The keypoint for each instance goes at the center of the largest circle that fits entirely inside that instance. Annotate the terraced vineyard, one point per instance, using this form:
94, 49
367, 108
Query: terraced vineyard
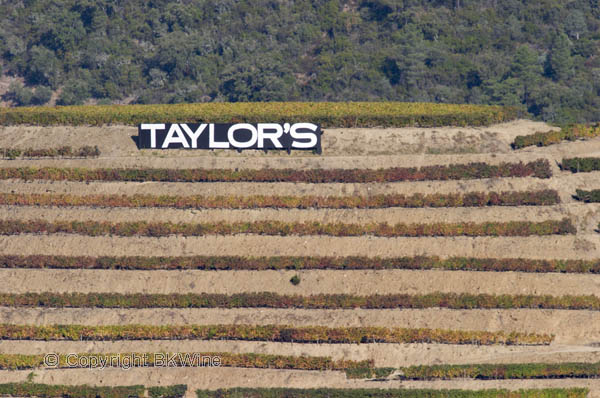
434, 262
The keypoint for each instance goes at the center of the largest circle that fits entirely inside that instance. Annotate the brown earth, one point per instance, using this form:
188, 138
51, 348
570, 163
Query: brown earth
358, 282
348, 216
342, 148
565, 183
544, 247
384, 355
116, 140
571, 327
577, 332
213, 378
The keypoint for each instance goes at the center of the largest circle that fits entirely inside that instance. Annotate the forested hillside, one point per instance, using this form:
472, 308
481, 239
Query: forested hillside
542, 55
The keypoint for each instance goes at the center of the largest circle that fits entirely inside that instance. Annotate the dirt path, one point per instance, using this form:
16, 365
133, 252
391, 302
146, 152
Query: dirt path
566, 183
570, 327
342, 148
117, 140
384, 355
279, 162
348, 216
312, 282
214, 378
545, 247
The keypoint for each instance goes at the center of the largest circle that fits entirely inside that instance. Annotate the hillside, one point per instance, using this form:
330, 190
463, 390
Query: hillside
402, 258
541, 56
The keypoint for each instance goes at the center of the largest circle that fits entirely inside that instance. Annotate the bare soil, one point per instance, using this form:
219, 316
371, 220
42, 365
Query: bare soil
584, 216
384, 355
214, 378
348, 216
569, 327
357, 282
565, 183
117, 141
577, 332
535, 247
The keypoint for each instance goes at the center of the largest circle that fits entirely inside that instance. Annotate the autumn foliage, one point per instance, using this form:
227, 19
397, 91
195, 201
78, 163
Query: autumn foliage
568, 133
503, 371
317, 301
471, 199
227, 359
539, 168
389, 393
580, 165
85, 391
63, 151
278, 228
299, 263
276, 333
328, 114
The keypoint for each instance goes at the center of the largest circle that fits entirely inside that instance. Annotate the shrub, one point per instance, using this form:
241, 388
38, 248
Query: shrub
328, 114
278, 228
389, 393
502, 371
64, 151
580, 165
539, 168
277, 333
181, 359
176, 391
316, 301
471, 199
295, 280
297, 263
64, 391
592, 196
569, 133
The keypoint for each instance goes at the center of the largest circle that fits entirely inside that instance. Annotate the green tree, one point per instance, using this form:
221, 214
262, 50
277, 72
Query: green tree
526, 68
575, 24
20, 95
75, 92
43, 67
560, 62
41, 95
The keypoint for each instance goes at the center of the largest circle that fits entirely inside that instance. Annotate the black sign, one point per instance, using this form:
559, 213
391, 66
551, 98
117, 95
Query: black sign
239, 136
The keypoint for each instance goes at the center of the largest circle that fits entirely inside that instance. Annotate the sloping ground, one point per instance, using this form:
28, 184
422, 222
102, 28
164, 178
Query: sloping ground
385, 355
569, 327
209, 378
577, 332
357, 282
116, 141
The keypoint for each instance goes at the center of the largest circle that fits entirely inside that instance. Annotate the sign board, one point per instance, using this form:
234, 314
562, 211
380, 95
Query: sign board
238, 136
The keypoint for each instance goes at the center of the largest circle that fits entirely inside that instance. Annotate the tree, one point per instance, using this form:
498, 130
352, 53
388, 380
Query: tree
575, 24
19, 94
42, 67
75, 92
560, 62
41, 95
526, 68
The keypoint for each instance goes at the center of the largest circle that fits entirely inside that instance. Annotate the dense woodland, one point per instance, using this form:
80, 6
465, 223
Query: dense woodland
540, 55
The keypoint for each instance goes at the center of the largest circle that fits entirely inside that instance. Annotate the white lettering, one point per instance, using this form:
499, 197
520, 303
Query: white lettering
311, 136
274, 137
153, 128
171, 139
242, 126
212, 144
194, 135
